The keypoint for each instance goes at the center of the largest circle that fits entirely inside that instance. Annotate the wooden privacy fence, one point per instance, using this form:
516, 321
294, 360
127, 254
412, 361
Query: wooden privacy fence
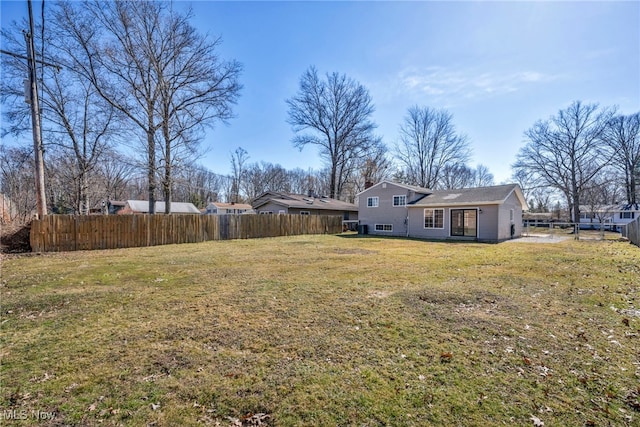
73, 233
632, 231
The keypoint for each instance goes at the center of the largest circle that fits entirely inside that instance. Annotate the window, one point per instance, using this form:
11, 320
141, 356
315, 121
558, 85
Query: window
372, 202
384, 227
434, 218
464, 222
304, 212
399, 200
511, 215
282, 212
626, 215
265, 212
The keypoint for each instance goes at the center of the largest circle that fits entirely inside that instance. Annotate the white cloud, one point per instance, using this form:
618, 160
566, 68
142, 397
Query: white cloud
451, 84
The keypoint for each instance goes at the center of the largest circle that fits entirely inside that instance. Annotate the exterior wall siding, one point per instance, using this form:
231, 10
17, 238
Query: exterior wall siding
416, 225
385, 213
504, 218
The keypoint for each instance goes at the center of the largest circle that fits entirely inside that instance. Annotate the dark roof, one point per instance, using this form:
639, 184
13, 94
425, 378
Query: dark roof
493, 195
299, 201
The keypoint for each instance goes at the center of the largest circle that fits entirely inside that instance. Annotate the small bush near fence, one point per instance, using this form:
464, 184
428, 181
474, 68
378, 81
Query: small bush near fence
69, 233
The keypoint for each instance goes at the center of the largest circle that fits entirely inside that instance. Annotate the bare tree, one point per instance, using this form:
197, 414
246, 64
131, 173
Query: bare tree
74, 119
456, 176
337, 111
146, 61
623, 137
429, 143
238, 173
482, 177
16, 182
566, 151
371, 168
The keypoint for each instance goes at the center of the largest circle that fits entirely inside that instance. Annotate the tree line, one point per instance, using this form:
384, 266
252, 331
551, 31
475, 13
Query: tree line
136, 87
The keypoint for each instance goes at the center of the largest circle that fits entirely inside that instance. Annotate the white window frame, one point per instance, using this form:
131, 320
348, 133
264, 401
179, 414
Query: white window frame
305, 213
266, 213
626, 215
385, 228
433, 218
373, 202
400, 197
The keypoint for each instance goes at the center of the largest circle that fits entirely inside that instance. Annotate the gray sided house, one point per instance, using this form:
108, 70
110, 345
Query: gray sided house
297, 204
382, 208
487, 214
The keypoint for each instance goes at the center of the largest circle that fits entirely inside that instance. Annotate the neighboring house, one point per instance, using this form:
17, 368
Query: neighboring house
611, 216
491, 214
537, 219
273, 202
142, 207
219, 208
115, 206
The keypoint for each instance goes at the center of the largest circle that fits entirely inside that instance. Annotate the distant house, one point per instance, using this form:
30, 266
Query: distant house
537, 219
610, 216
142, 207
297, 204
490, 214
219, 208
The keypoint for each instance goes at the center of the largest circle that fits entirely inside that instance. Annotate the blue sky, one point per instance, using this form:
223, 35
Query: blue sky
496, 66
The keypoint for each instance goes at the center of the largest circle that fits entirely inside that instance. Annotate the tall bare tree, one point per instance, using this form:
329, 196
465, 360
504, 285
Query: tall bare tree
429, 142
146, 61
239, 160
75, 121
623, 136
337, 112
566, 151
482, 177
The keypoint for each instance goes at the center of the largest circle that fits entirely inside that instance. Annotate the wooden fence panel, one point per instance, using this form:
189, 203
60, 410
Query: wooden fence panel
632, 231
69, 233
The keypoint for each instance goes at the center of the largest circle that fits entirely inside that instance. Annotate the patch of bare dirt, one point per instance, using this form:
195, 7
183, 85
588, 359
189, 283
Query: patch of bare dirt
14, 238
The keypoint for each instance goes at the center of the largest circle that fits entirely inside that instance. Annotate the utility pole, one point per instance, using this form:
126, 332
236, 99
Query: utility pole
41, 200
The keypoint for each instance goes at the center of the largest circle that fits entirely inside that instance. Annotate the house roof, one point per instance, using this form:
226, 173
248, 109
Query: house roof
299, 201
221, 205
494, 195
142, 206
625, 207
414, 188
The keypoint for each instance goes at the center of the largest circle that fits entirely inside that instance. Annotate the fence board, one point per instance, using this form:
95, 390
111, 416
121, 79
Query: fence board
632, 231
56, 233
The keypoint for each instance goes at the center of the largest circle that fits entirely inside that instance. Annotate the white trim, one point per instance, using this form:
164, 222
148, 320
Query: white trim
372, 199
383, 226
424, 217
393, 200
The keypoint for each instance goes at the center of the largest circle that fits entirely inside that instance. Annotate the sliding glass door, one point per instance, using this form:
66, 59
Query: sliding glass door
464, 222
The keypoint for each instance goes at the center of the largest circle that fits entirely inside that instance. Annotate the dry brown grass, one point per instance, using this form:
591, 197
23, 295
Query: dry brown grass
324, 330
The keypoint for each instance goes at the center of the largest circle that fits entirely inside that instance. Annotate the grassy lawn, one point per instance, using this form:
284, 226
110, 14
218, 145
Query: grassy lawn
324, 331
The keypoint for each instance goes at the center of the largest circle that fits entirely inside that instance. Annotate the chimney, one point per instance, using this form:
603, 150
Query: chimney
310, 193
368, 184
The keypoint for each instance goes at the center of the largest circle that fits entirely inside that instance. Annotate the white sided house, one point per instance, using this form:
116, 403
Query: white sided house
487, 214
610, 216
219, 208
